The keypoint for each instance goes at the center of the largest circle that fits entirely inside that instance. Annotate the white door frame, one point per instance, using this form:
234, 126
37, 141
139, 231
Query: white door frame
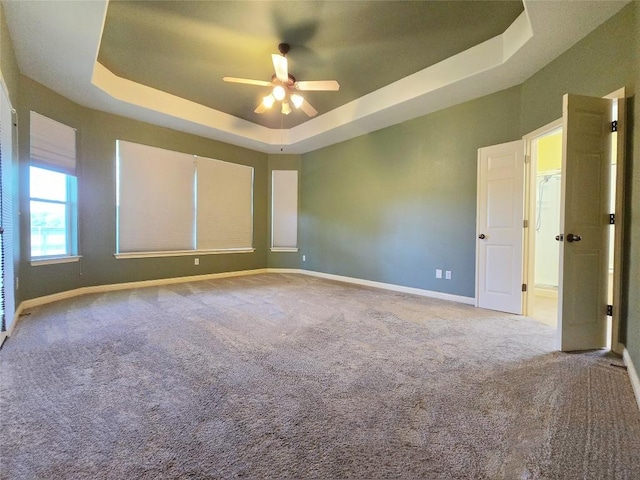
530, 211
618, 241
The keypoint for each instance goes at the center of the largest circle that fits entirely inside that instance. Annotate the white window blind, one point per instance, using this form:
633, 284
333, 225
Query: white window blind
155, 199
175, 203
225, 205
284, 209
53, 144
7, 298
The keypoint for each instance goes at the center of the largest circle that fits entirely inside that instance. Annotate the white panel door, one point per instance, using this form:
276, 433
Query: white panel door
499, 251
586, 162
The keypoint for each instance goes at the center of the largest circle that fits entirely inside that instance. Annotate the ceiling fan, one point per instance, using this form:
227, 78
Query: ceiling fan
285, 86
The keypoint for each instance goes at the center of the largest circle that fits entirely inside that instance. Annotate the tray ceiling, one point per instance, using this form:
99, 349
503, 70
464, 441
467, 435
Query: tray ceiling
185, 48
163, 62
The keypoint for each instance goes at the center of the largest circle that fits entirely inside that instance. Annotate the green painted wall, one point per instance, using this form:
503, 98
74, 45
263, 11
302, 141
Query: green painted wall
282, 162
97, 134
394, 205
597, 65
8, 63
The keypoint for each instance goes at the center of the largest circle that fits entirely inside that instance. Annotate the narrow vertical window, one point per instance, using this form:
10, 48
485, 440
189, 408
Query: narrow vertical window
284, 210
52, 189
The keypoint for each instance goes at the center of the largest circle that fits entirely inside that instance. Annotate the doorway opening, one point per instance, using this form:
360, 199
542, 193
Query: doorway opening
546, 154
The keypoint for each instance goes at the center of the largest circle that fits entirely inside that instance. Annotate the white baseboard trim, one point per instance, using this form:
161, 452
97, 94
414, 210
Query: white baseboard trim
633, 375
16, 317
545, 292
386, 286
38, 301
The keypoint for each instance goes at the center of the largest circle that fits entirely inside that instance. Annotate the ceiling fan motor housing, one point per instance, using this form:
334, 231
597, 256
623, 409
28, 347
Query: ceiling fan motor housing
284, 48
289, 83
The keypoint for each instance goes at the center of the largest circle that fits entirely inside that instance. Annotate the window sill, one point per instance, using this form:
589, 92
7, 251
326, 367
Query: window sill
181, 253
284, 249
36, 262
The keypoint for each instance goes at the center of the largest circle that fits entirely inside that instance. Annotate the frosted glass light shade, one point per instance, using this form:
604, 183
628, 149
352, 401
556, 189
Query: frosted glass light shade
297, 100
268, 101
278, 92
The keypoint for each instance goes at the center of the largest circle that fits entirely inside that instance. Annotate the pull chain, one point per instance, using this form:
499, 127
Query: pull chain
281, 129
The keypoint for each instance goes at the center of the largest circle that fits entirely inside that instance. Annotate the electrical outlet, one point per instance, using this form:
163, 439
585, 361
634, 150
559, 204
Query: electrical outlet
448, 274
304, 258
438, 273
196, 261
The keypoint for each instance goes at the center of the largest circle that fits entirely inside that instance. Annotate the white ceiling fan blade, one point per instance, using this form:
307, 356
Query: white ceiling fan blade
308, 109
318, 85
247, 81
280, 67
261, 108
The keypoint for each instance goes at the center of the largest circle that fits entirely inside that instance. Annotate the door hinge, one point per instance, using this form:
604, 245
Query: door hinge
524, 287
612, 219
525, 223
527, 159
614, 126
609, 310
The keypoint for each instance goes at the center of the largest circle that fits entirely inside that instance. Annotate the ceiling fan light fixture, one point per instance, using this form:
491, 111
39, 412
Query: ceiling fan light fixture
297, 100
284, 86
268, 101
278, 92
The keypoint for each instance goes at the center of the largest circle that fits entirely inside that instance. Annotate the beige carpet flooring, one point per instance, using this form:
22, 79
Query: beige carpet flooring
290, 376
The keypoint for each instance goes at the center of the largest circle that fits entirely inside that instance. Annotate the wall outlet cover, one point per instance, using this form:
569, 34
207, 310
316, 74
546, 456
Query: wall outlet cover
438, 273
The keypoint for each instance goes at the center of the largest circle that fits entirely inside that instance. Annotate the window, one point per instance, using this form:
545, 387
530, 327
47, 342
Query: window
225, 205
52, 189
284, 210
171, 203
155, 199
53, 206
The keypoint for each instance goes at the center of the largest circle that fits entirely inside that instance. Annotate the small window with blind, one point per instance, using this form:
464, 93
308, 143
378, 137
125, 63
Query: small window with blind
52, 189
284, 211
171, 203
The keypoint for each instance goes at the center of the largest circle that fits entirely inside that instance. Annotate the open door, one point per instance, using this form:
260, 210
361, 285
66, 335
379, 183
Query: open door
586, 163
500, 217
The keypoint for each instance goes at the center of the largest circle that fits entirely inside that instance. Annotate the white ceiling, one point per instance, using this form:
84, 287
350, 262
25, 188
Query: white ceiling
63, 56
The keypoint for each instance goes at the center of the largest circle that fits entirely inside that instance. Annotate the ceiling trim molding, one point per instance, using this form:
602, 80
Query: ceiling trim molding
63, 57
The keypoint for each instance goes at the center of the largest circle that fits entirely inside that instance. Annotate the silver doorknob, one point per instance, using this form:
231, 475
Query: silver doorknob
481, 236
573, 238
